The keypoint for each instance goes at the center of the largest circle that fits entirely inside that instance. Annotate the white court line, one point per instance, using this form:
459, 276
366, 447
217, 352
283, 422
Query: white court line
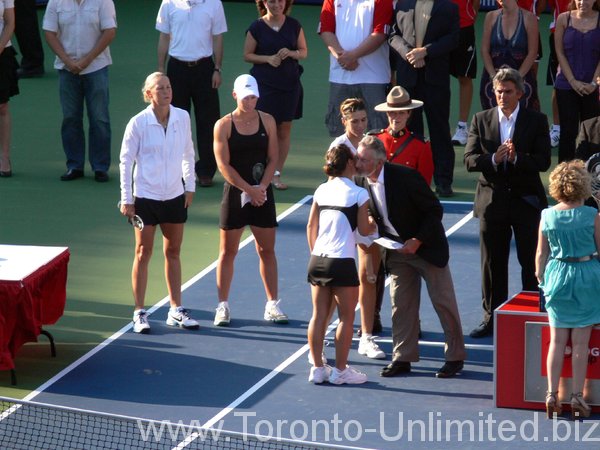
158, 305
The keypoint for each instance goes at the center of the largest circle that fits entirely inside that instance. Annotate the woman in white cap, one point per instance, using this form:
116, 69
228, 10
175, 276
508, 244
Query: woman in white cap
245, 145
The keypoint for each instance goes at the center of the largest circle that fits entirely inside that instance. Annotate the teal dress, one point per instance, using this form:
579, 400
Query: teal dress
572, 289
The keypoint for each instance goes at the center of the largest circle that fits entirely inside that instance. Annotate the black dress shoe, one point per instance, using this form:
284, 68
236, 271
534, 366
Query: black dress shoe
484, 329
444, 191
395, 368
32, 72
100, 176
71, 174
449, 369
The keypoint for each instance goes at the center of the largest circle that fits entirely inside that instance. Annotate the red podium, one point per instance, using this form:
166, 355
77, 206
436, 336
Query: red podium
521, 341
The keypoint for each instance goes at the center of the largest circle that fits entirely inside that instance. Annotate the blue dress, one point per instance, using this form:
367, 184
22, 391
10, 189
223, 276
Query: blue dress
572, 289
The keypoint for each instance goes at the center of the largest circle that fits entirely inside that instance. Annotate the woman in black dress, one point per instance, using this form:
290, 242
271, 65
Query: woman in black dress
245, 147
274, 44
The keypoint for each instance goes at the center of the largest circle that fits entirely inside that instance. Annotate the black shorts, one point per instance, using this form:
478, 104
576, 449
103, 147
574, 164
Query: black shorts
154, 212
552, 62
235, 216
9, 85
324, 271
463, 59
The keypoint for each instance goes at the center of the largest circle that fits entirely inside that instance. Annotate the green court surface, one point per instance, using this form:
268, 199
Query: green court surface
38, 209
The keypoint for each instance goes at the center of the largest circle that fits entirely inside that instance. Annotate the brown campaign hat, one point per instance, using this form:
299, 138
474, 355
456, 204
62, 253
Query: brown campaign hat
398, 100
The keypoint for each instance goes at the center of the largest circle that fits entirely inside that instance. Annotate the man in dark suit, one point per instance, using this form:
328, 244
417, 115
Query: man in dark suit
406, 211
588, 139
424, 34
509, 146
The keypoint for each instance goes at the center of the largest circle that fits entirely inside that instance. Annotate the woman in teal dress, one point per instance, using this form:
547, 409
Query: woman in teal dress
568, 271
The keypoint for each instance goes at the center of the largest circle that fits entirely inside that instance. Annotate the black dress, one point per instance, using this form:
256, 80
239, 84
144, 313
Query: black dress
280, 89
245, 153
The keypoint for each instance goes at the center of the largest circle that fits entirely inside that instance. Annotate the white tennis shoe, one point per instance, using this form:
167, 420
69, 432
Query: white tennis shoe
368, 347
180, 317
319, 375
347, 376
140, 321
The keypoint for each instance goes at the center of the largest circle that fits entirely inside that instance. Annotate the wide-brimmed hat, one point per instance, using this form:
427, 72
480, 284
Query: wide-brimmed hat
398, 100
244, 86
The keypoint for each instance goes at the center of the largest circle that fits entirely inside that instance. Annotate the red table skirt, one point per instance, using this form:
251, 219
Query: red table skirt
27, 305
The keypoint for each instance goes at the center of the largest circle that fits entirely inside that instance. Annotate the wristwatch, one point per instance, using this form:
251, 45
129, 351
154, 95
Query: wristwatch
217, 69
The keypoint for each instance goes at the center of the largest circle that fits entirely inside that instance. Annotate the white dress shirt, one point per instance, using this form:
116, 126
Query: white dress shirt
378, 191
507, 129
79, 27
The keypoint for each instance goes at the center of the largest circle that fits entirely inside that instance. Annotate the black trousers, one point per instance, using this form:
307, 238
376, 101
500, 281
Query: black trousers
28, 35
436, 101
573, 109
192, 85
495, 237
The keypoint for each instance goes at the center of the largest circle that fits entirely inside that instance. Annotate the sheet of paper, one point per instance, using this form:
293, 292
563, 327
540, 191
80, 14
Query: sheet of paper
389, 243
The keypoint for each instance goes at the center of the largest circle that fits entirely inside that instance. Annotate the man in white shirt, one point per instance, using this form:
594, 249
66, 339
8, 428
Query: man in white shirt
359, 56
191, 34
79, 32
509, 146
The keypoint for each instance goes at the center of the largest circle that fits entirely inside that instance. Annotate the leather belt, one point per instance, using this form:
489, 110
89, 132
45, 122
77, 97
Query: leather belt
192, 63
574, 259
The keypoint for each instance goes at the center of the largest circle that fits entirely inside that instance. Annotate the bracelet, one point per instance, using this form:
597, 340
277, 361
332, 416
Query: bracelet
217, 69
593, 83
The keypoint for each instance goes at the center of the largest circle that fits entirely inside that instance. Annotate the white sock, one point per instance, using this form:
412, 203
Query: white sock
366, 336
224, 304
462, 124
556, 127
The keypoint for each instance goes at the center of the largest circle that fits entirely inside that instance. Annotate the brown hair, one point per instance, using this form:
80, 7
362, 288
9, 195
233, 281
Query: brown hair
570, 182
351, 105
262, 9
336, 160
573, 6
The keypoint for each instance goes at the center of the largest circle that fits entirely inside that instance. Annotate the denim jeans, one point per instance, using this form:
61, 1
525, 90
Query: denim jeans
93, 89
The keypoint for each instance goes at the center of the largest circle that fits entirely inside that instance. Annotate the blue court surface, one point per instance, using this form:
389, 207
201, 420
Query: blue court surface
251, 377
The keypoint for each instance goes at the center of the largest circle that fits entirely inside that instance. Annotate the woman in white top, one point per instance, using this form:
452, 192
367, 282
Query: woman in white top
354, 119
339, 207
157, 153
8, 82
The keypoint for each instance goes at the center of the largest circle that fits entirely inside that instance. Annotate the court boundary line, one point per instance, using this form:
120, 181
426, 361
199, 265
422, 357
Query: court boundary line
34, 393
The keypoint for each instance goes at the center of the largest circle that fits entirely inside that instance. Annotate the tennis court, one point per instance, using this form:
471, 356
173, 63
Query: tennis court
251, 378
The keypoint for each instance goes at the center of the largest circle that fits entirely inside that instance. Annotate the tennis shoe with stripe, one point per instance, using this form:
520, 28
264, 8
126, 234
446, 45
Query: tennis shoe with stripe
274, 313
181, 318
460, 136
221, 316
554, 137
368, 347
347, 376
319, 375
140, 322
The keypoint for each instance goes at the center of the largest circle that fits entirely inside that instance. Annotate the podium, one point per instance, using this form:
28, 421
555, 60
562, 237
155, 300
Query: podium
521, 342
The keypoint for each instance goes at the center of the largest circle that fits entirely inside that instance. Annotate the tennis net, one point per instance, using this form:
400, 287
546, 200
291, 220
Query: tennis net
26, 425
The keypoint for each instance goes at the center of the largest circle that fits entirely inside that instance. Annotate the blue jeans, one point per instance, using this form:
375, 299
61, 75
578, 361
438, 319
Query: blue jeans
73, 90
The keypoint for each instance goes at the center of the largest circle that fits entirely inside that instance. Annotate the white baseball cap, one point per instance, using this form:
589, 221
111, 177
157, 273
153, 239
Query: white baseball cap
244, 86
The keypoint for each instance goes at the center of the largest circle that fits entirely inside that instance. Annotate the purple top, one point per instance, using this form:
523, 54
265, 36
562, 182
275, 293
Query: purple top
582, 50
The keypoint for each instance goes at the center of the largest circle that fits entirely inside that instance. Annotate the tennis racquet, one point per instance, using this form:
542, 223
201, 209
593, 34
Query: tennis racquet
258, 171
136, 220
593, 167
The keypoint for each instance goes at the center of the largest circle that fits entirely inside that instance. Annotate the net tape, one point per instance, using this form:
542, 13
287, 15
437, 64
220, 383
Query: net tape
26, 425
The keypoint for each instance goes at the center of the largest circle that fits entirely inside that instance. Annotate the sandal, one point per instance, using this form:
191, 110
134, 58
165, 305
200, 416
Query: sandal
553, 407
276, 182
579, 408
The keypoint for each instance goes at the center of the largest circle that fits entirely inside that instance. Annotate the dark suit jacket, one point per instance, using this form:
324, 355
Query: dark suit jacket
516, 189
413, 210
589, 138
440, 39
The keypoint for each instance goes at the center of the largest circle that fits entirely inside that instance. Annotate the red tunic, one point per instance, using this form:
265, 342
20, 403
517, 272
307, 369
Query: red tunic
416, 155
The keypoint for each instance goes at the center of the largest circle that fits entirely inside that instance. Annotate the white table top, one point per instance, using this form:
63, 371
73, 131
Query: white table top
19, 261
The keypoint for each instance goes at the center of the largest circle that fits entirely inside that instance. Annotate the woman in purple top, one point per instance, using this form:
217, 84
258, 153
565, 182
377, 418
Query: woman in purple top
577, 39
274, 44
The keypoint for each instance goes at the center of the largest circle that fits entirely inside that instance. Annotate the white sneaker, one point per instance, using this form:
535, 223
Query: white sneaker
319, 375
181, 318
347, 376
554, 137
221, 316
274, 313
460, 136
140, 321
368, 347
312, 362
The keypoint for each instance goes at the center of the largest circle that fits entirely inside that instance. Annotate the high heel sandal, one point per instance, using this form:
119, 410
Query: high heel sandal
277, 183
552, 405
6, 173
579, 408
